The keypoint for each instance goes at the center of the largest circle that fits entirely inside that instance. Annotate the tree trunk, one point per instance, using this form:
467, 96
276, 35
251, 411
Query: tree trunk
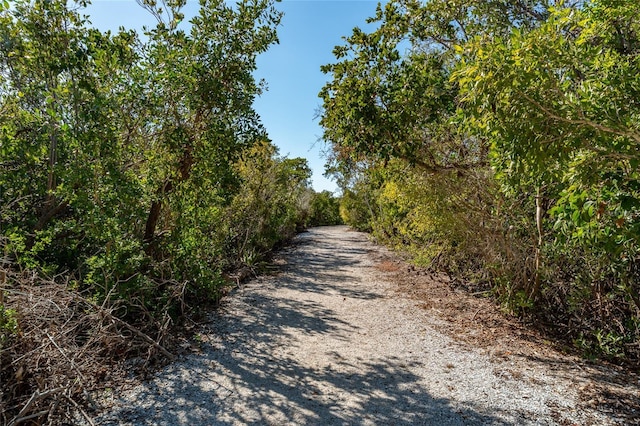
156, 206
539, 215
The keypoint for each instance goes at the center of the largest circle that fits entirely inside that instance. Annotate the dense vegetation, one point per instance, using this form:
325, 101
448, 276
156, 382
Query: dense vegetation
128, 162
134, 176
500, 141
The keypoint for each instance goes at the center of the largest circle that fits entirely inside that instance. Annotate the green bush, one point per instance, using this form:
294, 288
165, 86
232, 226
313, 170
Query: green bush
8, 324
324, 210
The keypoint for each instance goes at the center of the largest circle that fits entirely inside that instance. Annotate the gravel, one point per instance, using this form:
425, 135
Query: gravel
329, 341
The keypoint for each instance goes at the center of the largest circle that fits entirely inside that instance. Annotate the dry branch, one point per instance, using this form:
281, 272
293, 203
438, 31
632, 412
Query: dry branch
144, 337
66, 348
36, 396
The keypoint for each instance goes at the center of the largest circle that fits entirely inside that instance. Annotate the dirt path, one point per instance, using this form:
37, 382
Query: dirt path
331, 340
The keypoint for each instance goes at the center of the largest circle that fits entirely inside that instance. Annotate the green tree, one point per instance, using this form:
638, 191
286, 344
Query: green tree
60, 151
503, 137
392, 101
118, 154
325, 209
266, 210
559, 104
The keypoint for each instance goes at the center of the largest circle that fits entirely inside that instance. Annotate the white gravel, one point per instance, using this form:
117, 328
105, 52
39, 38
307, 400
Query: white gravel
328, 341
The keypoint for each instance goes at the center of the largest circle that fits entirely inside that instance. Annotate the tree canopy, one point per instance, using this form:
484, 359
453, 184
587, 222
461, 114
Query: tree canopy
499, 140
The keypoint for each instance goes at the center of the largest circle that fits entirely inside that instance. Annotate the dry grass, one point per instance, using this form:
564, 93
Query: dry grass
387, 266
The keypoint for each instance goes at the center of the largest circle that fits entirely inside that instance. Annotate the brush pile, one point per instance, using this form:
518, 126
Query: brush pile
58, 348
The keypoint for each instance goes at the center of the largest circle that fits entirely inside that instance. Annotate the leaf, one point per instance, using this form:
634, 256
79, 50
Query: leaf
629, 203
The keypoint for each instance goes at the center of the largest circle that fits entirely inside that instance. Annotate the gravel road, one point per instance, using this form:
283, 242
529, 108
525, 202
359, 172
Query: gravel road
328, 341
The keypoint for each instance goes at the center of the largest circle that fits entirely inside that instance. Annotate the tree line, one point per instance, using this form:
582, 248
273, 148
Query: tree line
133, 166
500, 141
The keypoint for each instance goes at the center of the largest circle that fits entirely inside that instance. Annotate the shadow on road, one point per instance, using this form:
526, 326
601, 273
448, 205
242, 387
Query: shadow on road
248, 373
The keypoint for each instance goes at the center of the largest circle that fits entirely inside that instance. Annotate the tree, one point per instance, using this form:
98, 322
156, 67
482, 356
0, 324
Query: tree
391, 95
567, 126
60, 150
511, 127
118, 154
325, 209
266, 210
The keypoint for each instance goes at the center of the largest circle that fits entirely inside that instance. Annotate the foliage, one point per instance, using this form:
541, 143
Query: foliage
568, 126
266, 211
498, 140
137, 165
324, 210
8, 324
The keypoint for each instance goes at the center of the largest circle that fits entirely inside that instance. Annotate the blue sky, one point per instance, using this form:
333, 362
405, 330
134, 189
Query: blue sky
309, 31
